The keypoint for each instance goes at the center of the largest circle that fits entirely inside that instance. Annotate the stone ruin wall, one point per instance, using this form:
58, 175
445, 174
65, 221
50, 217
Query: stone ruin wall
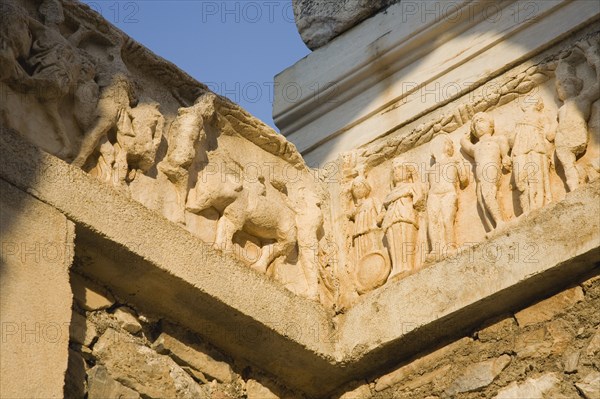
149, 112
549, 349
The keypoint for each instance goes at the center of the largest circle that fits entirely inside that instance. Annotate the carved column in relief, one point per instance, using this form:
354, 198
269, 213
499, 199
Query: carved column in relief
490, 153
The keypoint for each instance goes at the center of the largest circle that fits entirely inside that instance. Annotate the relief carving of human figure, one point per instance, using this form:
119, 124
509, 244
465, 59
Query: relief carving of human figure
490, 152
400, 222
114, 102
309, 222
366, 214
445, 177
54, 67
572, 133
531, 157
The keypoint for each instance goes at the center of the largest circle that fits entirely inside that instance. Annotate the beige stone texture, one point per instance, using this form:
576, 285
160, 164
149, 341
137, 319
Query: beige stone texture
534, 388
361, 335
593, 347
191, 355
81, 330
255, 390
306, 284
589, 386
101, 386
399, 375
479, 375
143, 370
545, 310
35, 296
127, 320
571, 361
90, 296
458, 48
495, 331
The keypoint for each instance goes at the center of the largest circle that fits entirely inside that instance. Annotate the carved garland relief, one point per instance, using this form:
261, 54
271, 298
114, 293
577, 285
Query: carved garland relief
408, 201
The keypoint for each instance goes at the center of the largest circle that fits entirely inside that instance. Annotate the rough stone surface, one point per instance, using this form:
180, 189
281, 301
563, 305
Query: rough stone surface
128, 320
35, 296
140, 224
545, 340
400, 374
479, 375
589, 386
361, 392
571, 361
497, 329
194, 357
89, 295
532, 388
593, 347
255, 390
82, 331
319, 21
546, 309
550, 346
143, 370
102, 386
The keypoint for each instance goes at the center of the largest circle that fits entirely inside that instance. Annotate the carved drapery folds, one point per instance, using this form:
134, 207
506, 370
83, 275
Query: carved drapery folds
83, 91
515, 145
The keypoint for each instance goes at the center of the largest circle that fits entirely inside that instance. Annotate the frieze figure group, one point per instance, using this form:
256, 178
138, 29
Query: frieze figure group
417, 217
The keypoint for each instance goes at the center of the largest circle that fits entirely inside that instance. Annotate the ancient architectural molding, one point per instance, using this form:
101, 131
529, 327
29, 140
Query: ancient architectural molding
407, 61
188, 210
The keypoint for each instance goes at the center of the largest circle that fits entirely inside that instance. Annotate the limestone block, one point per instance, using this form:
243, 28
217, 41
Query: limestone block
90, 296
362, 392
142, 369
255, 390
590, 386
498, 330
102, 386
399, 375
427, 378
35, 296
532, 388
548, 308
194, 357
571, 361
479, 375
593, 348
81, 330
319, 21
551, 339
127, 320
197, 375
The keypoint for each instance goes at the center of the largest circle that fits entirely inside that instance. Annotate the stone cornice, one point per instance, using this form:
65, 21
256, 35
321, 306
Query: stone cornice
395, 72
166, 271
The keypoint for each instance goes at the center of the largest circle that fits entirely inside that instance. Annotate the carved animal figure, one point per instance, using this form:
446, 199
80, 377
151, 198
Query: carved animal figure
253, 207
